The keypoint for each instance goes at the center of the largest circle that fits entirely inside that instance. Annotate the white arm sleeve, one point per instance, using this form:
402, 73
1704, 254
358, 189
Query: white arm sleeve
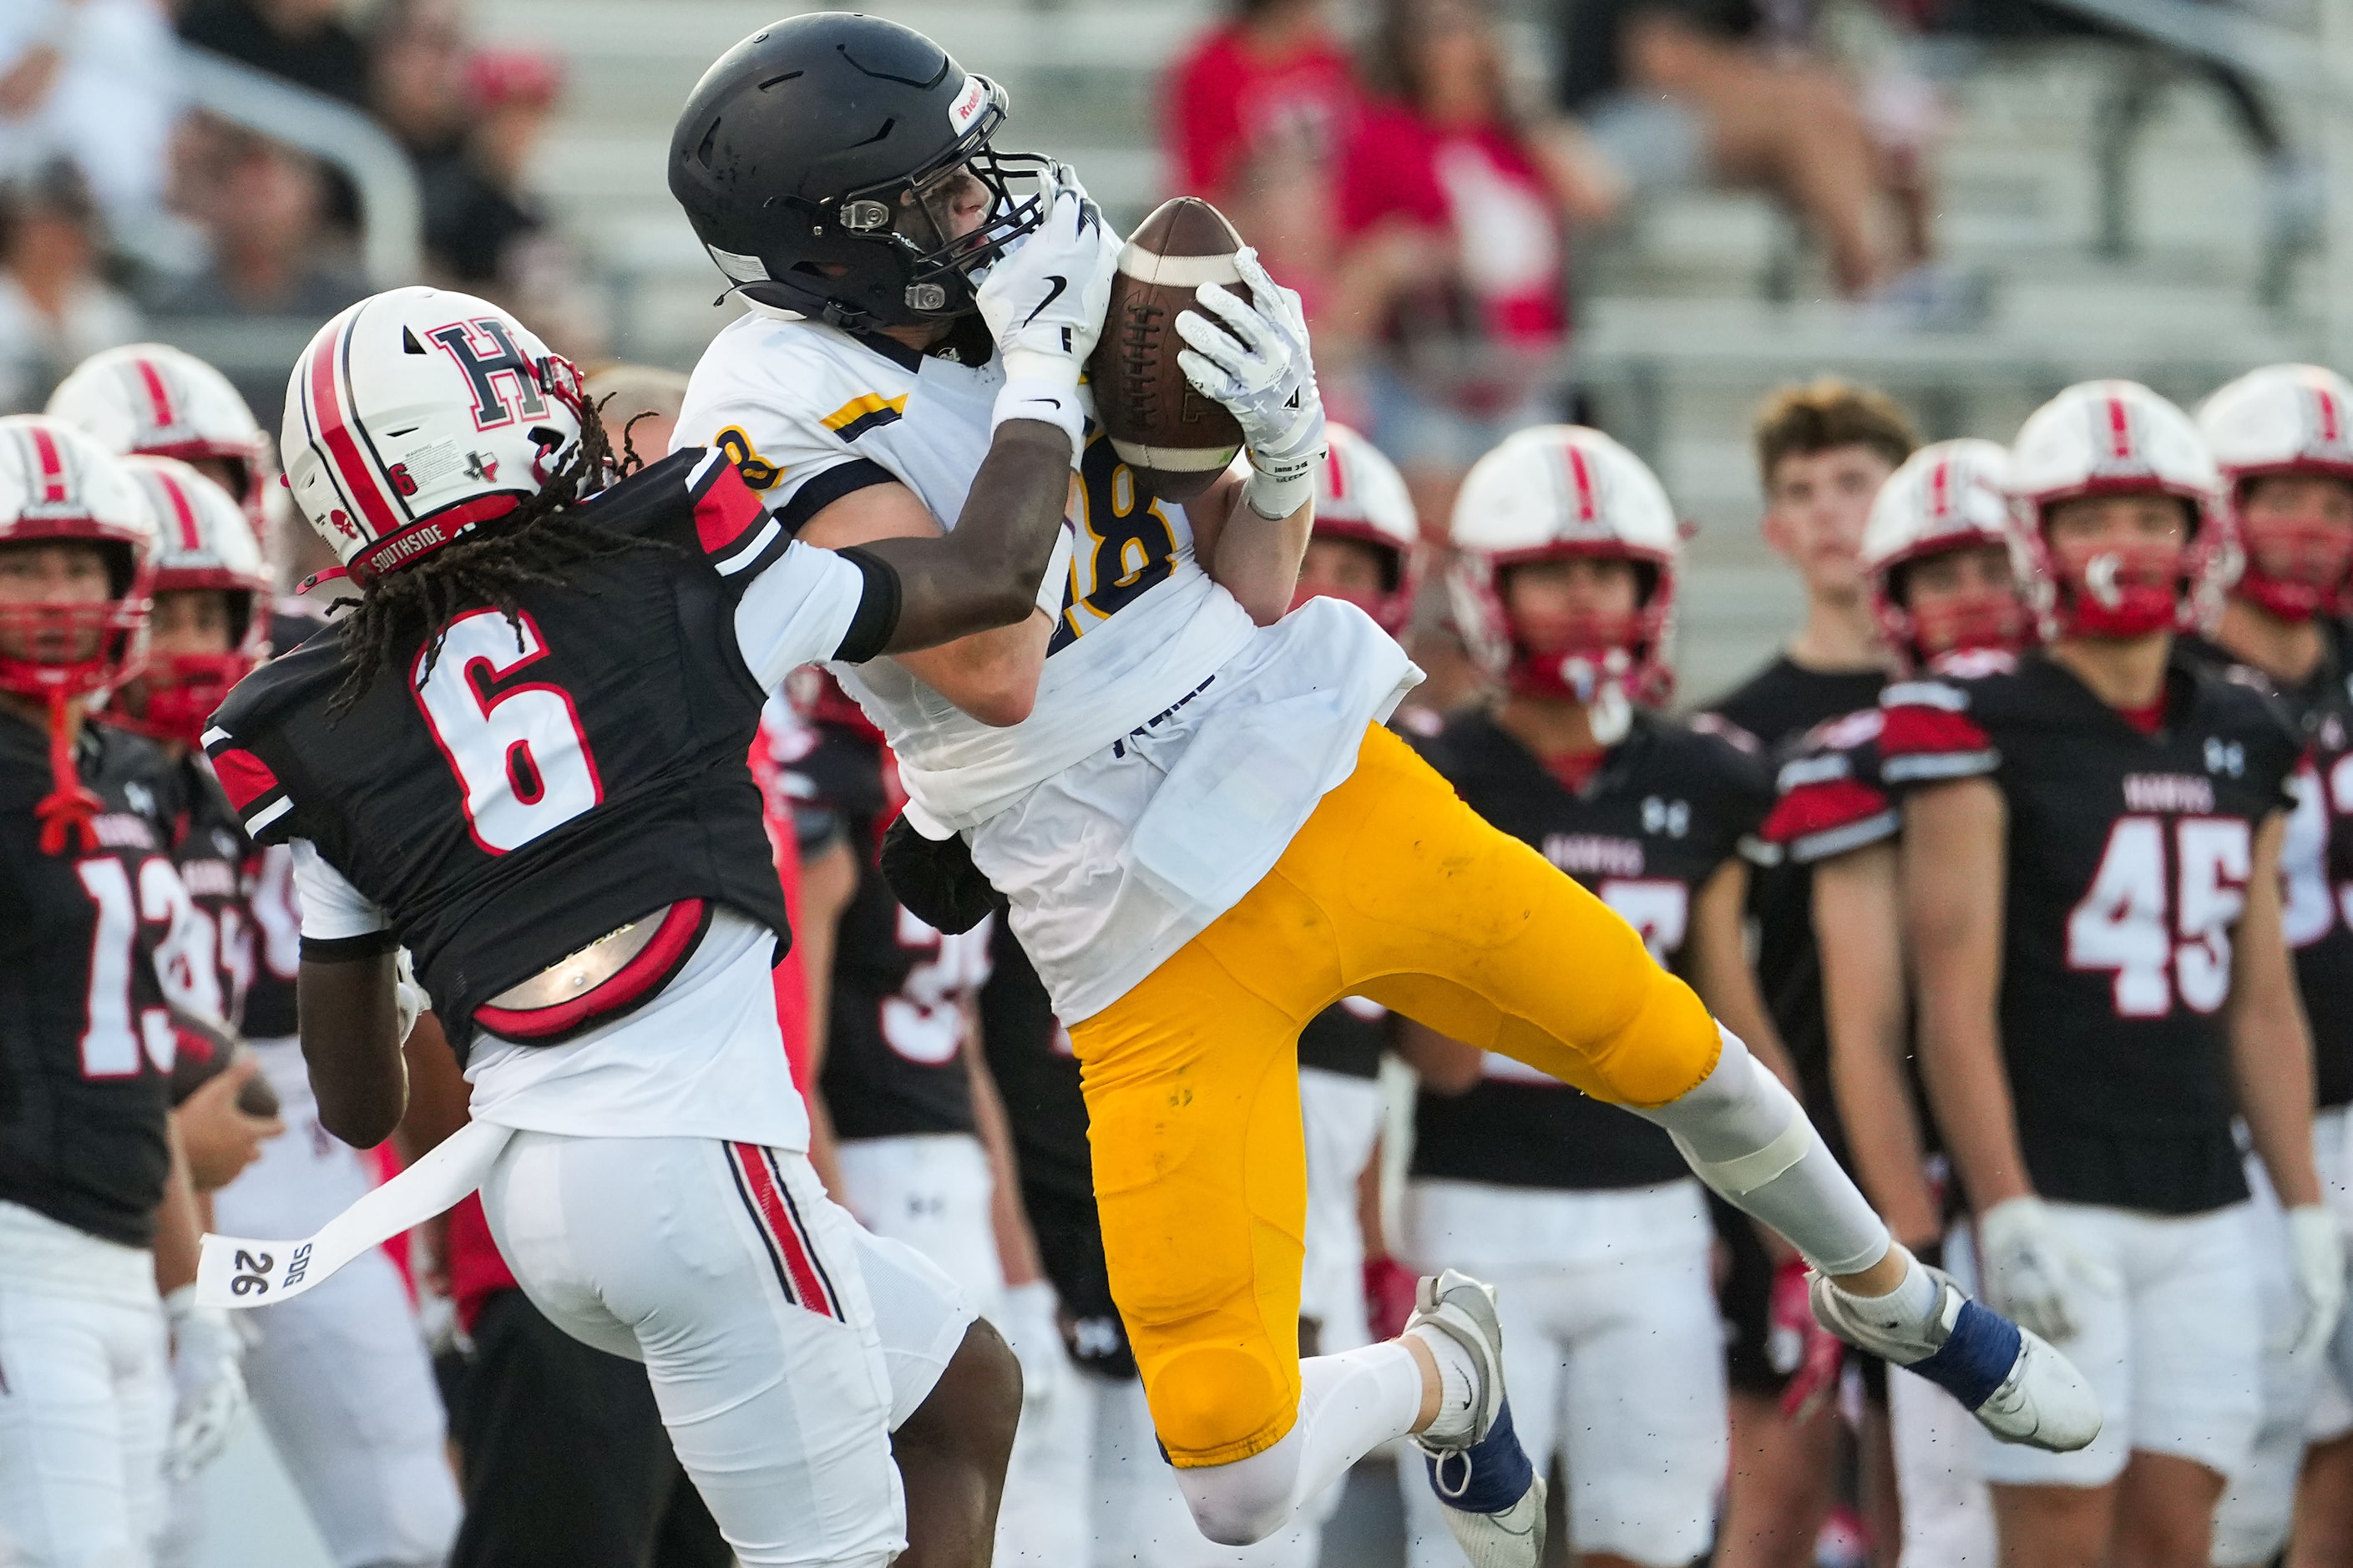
796, 612
332, 908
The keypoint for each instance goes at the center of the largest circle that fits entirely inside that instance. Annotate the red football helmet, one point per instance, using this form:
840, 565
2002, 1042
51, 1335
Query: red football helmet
1557, 491
2117, 438
205, 541
1949, 496
163, 402
2294, 419
58, 485
1361, 497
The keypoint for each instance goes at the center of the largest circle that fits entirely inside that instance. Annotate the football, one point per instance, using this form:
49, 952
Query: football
1176, 440
206, 1051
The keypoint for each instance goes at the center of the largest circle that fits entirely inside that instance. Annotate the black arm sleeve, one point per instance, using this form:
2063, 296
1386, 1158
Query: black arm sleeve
878, 609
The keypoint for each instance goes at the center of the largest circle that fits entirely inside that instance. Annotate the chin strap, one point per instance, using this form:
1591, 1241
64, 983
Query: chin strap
69, 805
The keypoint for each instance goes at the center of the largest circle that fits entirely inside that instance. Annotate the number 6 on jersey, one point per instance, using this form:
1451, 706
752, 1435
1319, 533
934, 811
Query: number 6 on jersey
519, 753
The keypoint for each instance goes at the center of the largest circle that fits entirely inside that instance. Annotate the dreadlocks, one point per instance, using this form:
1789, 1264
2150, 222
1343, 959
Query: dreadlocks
531, 545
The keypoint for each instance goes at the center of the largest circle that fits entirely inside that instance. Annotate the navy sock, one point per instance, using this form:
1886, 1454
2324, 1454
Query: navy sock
1976, 1357
1488, 1477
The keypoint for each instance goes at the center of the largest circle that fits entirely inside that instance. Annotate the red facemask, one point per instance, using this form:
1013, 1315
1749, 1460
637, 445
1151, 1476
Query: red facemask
177, 694
1995, 621
1594, 653
67, 812
2295, 570
2123, 591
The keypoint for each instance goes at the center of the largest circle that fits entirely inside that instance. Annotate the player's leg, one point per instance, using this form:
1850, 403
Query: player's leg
2198, 1381
1471, 931
2258, 1508
1645, 1442
1781, 1480
1193, 1099
738, 1284
1341, 1117
1948, 1513
932, 1192
84, 1397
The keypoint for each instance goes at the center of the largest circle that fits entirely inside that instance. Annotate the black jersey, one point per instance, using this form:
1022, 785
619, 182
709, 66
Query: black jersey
2127, 859
1037, 1075
895, 1011
1669, 806
553, 779
86, 1039
2316, 857
1776, 707
218, 864
274, 911
1347, 1037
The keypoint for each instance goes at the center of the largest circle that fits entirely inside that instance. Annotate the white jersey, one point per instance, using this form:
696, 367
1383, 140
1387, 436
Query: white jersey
1146, 647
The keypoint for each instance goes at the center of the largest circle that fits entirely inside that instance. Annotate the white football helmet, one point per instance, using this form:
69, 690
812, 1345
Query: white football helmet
1361, 497
2117, 438
1563, 490
163, 402
417, 414
204, 541
1948, 496
2285, 420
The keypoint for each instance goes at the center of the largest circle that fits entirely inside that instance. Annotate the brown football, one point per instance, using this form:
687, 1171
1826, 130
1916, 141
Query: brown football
205, 1050
1177, 440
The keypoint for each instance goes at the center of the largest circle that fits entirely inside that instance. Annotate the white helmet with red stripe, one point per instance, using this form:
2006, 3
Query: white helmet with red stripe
419, 413
2294, 420
1949, 496
164, 401
204, 541
1361, 497
2111, 438
56, 484
1555, 491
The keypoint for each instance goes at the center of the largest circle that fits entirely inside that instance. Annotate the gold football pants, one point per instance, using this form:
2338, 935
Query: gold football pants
1395, 891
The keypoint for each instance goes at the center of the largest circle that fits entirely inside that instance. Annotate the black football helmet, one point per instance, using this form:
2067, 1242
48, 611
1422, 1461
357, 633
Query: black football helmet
826, 160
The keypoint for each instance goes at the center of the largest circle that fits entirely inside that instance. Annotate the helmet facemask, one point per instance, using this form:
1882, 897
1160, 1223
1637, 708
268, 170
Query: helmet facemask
1608, 660
2125, 587
1981, 612
2299, 551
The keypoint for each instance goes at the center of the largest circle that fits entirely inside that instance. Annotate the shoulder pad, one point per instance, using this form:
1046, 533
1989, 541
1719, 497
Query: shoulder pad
1927, 733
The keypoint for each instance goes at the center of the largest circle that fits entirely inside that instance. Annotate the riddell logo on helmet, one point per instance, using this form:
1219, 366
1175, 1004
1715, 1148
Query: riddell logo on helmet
966, 108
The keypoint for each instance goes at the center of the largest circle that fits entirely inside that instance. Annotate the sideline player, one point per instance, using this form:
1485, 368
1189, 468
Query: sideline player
1823, 449
97, 1322
2283, 436
2090, 874
1204, 837
163, 402
1587, 1219
1937, 558
340, 1378
599, 806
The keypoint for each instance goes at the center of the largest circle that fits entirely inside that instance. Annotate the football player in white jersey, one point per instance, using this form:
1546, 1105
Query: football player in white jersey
1127, 767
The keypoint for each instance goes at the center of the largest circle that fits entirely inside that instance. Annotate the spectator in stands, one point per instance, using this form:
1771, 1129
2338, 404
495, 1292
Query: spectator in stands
263, 203
1451, 297
95, 82
305, 41
1678, 92
55, 308
1258, 111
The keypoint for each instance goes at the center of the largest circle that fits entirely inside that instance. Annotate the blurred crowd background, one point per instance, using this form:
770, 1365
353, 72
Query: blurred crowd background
1642, 213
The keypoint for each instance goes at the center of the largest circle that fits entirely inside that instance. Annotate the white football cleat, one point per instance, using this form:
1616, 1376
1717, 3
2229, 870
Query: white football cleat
1493, 1497
2019, 1387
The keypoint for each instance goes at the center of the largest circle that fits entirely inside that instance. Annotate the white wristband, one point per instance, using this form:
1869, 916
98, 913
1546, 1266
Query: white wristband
1052, 400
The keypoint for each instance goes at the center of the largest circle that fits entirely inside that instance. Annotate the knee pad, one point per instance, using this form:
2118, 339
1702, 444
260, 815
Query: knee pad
1207, 1398
1244, 1503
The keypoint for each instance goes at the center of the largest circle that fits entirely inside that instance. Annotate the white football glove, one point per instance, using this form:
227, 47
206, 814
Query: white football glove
1031, 1324
408, 998
207, 1382
1266, 380
1044, 301
2030, 1268
2316, 1249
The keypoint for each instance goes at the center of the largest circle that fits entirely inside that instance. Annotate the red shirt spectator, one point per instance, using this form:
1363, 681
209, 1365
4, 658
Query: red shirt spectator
1236, 96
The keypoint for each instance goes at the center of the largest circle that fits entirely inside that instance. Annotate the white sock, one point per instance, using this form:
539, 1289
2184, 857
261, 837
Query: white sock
1457, 1386
1349, 1404
1915, 1298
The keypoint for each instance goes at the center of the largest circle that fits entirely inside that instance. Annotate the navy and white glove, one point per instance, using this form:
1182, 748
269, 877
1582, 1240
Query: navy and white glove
1266, 380
2034, 1271
207, 1382
1044, 301
2316, 1249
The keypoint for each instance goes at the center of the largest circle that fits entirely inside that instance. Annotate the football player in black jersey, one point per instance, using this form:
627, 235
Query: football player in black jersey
1822, 451
2283, 436
1938, 560
2090, 874
370, 1463
523, 755
110, 1373
1588, 1219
